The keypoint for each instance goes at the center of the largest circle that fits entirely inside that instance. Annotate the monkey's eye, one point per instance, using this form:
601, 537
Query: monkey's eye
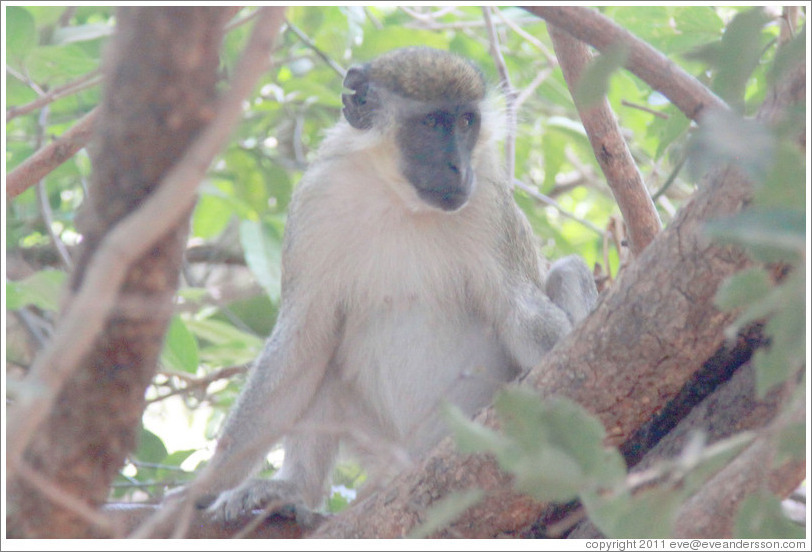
432, 120
467, 119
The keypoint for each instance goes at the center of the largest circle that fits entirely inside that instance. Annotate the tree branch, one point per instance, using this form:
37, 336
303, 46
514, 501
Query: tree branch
45, 160
665, 76
755, 468
126, 242
610, 148
86, 81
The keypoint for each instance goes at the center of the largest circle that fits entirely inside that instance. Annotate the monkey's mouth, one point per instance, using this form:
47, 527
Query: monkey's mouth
449, 199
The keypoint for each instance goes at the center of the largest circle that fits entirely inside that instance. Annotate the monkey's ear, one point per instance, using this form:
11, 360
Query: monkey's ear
360, 106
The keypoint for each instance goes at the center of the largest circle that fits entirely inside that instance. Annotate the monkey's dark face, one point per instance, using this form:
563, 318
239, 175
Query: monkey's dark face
436, 148
431, 97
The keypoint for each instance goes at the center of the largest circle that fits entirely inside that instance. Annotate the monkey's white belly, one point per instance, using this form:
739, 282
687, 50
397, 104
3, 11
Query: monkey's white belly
409, 359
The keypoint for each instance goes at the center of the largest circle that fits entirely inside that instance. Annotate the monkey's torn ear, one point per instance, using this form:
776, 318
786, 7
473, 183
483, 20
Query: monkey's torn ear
360, 106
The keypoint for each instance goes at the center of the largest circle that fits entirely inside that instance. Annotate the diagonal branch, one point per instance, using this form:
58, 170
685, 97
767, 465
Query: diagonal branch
45, 160
662, 74
610, 148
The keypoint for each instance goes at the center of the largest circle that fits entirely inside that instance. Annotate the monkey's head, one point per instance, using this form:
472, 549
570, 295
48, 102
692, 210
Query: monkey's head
431, 99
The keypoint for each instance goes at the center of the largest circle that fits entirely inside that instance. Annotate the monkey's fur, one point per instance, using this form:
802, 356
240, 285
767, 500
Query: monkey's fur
410, 277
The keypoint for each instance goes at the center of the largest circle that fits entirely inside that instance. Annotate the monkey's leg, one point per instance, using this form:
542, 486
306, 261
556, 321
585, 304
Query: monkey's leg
571, 286
301, 483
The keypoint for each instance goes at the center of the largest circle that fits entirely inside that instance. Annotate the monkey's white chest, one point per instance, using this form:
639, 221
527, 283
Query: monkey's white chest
405, 359
412, 338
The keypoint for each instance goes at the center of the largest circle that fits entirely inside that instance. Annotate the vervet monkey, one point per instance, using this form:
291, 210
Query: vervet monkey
410, 277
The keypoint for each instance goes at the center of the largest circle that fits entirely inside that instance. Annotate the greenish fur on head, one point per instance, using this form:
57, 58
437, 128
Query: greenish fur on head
428, 75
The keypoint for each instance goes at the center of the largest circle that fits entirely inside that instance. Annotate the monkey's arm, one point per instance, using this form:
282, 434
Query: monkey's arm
281, 385
539, 313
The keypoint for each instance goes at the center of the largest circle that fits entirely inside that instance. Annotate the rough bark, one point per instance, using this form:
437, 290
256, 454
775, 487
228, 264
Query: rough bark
161, 77
733, 407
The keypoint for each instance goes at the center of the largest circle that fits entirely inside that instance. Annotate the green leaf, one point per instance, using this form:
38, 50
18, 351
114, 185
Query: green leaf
470, 436
81, 33
221, 333
702, 19
743, 288
150, 448
262, 244
667, 131
594, 82
550, 460
337, 502
785, 354
726, 137
17, 93
552, 148
648, 514
180, 348
549, 475
789, 55
21, 33
785, 184
770, 235
211, 216
445, 511
791, 443
50, 63
46, 16
760, 517
42, 289
178, 457
377, 41
738, 55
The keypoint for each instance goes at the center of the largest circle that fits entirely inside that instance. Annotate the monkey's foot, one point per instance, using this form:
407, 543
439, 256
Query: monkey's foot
269, 495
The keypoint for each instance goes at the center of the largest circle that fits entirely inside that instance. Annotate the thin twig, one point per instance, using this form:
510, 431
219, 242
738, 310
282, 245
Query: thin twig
508, 91
551, 59
646, 109
202, 383
42, 198
530, 88
86, 81
34, 169
552, 203
126, 242
318, 51
25, 79
670, 180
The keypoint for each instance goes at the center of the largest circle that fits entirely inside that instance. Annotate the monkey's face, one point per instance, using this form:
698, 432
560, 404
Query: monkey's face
435, 153
430, 99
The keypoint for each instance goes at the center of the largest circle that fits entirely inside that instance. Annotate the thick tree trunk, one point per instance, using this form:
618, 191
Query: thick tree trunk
161, 73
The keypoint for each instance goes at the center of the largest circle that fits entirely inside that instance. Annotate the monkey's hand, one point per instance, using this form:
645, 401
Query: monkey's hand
275, 496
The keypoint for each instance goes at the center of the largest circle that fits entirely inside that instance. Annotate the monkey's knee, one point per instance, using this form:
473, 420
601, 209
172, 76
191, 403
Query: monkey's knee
571, 286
